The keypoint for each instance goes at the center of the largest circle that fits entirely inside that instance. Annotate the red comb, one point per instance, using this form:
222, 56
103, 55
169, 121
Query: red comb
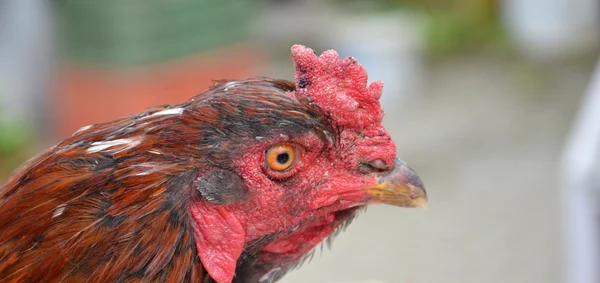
338, 86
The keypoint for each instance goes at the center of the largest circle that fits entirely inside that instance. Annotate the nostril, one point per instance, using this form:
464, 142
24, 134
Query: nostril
379, 165
374, 166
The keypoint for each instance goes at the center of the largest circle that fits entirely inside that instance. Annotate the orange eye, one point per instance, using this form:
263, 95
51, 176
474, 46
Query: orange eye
281, 157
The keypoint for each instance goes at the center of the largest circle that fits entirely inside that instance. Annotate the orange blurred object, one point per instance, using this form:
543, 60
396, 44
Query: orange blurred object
87, 95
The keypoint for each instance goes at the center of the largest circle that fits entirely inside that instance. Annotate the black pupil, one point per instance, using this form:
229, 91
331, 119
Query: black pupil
283, 158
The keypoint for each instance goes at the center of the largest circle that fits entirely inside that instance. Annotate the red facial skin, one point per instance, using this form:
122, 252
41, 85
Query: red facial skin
301, 210
325, 181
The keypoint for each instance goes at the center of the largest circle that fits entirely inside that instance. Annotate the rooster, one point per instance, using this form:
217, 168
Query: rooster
238, 184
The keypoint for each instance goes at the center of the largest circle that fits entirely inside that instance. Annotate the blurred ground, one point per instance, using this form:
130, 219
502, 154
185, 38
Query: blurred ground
489, 156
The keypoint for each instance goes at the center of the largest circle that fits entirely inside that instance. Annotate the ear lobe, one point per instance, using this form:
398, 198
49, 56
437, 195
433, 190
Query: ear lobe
219, 239
220, 186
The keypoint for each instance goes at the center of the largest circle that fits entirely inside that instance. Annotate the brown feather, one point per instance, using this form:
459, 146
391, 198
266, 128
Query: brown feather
110, 203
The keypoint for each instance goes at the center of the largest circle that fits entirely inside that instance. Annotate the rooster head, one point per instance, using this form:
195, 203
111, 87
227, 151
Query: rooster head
295, 162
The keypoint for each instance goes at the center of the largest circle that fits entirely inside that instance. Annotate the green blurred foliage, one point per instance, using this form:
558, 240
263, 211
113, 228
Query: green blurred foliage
450, 25
130, 33
458, 25
11, 138
15, 146
448, 33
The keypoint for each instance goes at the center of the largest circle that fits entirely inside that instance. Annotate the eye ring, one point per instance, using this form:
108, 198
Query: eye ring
281, 157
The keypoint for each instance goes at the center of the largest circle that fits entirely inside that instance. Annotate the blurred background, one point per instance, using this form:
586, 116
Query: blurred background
493, 102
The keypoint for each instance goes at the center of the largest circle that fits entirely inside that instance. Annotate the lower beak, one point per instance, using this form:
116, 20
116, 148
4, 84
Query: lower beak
401, 187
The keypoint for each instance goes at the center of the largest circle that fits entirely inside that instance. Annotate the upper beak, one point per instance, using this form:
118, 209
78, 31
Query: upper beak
401, 187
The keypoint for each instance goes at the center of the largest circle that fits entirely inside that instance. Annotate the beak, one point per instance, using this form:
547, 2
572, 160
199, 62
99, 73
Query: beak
400, 187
